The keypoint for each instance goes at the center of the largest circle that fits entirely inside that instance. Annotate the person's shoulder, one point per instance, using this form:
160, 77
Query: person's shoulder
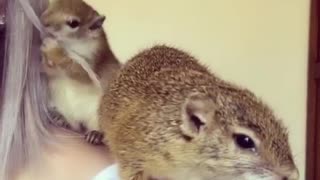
109, 173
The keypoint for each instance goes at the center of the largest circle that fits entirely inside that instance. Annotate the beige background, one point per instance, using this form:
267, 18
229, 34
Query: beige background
260, 44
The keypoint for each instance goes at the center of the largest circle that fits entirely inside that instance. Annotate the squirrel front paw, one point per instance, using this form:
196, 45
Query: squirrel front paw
94, 137
48, 44
48, 48
53, 53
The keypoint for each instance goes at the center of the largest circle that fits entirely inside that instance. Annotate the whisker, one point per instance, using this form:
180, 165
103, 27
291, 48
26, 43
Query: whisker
237, 167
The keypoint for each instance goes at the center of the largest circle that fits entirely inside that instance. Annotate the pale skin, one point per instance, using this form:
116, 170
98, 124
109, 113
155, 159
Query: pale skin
72, 158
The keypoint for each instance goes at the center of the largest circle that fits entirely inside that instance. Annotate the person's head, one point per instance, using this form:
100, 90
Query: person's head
23, 108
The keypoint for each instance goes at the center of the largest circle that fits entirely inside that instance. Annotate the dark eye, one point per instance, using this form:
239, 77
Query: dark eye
73, 23
244, 141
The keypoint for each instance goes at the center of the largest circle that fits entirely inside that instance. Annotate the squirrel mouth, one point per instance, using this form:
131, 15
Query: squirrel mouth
50, 34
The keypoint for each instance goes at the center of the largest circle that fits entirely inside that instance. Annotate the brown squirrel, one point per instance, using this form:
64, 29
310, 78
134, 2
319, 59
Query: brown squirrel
74, 98
167, 116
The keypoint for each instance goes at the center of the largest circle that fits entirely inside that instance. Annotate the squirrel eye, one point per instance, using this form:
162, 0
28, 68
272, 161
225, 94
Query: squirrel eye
73, 23
244, 141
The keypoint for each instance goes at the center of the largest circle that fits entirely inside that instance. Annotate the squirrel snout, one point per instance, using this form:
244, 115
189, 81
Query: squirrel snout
291, 175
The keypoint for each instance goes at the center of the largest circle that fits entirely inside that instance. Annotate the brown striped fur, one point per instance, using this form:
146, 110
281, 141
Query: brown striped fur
141, 114
72, 93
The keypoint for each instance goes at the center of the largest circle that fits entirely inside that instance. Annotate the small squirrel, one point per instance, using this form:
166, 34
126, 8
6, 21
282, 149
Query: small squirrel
74, 98
167, 116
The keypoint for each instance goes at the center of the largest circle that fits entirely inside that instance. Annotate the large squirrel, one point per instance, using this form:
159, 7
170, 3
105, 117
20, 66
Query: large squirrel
167, 116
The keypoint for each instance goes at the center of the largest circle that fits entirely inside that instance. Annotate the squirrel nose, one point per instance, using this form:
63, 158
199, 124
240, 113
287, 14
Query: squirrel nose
294, 175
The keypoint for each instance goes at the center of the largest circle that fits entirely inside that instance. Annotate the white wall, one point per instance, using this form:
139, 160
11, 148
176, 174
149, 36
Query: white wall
260, 44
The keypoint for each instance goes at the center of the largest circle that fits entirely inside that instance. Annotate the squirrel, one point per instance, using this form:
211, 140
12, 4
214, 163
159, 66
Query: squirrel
74, 98
167, 116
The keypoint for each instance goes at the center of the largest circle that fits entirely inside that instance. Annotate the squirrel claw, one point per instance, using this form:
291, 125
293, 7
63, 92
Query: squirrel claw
139, 176
94, 137
58, 120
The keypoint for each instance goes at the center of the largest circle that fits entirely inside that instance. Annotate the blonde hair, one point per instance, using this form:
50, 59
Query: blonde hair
23, 115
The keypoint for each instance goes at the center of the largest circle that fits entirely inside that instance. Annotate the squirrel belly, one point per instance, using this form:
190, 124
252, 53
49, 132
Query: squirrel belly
77, 102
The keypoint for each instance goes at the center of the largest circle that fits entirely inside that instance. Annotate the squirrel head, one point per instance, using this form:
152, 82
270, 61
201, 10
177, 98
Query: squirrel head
72, 19
230, 134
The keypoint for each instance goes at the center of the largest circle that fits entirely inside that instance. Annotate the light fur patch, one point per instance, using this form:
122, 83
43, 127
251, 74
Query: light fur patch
84, 48
77, 102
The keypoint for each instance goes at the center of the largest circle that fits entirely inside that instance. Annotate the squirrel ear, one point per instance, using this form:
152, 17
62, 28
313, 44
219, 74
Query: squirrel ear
197, 114
97, 23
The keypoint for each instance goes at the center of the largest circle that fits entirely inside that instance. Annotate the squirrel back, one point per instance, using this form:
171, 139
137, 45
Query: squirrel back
166, 115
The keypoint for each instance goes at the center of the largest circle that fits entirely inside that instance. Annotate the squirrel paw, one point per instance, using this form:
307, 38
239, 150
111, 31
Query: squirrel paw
53, 54
58, 120
94, 137
49, 63
62, 123
48, 44
139, 176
